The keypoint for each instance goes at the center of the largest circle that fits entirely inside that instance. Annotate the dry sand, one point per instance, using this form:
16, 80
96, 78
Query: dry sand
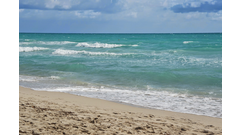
42, 112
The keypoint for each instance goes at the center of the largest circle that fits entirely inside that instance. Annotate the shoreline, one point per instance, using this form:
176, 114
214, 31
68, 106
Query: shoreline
182, 102
175, 122
128, 104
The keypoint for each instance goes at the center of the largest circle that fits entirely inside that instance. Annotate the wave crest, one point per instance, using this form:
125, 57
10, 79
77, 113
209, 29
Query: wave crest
47, 42
186, 42
101, 45
70, 52
30, 49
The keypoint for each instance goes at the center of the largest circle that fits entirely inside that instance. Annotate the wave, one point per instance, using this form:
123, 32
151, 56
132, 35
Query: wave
30, 49
25, 43
54, 77
47, 42
186, 42
24, 78
70, 52
55, 42
101, 45
163, 100
134, 45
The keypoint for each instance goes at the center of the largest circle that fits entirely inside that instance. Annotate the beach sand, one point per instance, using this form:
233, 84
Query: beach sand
42, 112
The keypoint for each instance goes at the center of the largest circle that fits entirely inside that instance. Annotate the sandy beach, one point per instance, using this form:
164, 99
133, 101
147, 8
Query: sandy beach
42, 112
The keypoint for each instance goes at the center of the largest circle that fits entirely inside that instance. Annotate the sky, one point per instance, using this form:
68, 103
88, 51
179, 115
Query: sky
120, 16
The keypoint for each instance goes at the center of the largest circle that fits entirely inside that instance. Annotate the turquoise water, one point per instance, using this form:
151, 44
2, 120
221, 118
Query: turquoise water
176, 72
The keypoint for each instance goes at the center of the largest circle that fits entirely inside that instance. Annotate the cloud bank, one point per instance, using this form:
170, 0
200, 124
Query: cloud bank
150, 16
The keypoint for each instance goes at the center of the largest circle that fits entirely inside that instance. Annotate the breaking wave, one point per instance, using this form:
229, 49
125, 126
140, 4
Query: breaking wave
47, 42
101, 45
30, 49
70, 52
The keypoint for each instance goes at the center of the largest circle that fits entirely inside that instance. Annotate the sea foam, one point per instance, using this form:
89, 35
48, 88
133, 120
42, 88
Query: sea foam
55, 42
100, 45
153, 99
25, 43
186, 42
24, 78
70, 52
47, 42
30, 49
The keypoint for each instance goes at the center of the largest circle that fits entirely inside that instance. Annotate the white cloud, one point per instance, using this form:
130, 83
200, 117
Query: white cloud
195, 15
216, 16
195, 4
65, 4
165, 3
133, 14
51, 3
87, 14
45, 14
21, 10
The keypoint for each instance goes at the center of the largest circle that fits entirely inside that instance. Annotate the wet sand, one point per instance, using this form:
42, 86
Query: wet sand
42, 112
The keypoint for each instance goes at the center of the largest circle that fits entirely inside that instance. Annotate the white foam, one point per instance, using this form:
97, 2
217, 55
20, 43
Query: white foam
70, 52
55, 42
186, 42
66, 52
134, 45
176, 58
199, 61
100, 45
27, 40
25, 43
30, 49
24, 78
27, 80
54, 77
153, 99
162, 99
46, 42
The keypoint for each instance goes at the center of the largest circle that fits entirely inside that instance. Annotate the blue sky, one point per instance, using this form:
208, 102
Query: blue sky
120, 16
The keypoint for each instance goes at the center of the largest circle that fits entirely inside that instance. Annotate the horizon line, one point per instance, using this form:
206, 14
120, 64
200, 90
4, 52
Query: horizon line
121, 32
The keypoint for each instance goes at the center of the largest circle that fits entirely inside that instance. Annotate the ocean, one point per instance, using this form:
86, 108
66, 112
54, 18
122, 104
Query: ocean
175, 71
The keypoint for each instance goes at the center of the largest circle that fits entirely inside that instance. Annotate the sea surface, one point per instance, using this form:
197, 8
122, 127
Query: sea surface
175, 72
